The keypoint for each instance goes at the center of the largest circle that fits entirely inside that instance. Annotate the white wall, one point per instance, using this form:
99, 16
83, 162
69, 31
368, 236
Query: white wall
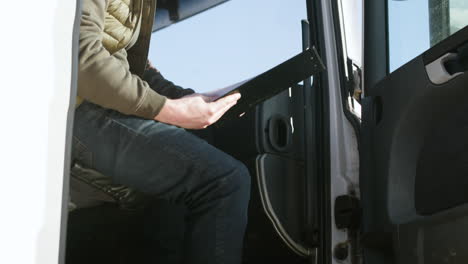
35, 77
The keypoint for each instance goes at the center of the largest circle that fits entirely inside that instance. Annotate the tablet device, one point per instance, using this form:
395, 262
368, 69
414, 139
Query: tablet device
272, 82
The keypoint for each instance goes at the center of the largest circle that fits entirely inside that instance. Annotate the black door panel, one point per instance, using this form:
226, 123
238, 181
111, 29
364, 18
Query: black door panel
442, 168
270, 140
414, 125
281, 124
439, 240
281, 182
414, 163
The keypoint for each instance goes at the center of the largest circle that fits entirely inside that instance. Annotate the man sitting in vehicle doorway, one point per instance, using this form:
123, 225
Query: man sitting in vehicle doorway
134, 132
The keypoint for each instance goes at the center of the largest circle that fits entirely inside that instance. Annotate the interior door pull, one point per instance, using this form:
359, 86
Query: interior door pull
438, 72
279, 133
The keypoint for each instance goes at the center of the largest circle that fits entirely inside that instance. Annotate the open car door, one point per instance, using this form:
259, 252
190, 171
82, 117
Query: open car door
414, 151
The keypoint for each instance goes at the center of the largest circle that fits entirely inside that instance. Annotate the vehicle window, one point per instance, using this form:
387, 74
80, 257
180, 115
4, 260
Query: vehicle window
416, 25
229, 43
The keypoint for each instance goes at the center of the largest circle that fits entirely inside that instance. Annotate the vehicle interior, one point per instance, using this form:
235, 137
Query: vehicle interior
270, 139
331, 183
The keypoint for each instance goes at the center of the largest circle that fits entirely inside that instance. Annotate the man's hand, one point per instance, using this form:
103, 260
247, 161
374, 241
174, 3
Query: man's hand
195, 111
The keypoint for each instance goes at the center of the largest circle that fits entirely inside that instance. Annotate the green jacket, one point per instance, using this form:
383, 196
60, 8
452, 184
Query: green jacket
113, 50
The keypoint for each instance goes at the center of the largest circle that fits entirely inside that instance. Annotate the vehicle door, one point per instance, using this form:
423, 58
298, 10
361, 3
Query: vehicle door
278, 141
414, 140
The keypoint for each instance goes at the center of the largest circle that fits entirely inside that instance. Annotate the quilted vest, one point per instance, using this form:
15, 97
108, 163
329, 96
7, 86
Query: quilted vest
128, 25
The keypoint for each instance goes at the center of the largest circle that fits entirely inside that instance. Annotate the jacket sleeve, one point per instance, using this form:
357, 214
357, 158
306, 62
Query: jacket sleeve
158, 83
105, 80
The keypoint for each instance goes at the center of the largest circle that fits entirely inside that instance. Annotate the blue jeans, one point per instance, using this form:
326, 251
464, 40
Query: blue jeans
172, 164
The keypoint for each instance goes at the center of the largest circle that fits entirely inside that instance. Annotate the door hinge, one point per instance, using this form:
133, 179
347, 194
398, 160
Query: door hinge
354, 80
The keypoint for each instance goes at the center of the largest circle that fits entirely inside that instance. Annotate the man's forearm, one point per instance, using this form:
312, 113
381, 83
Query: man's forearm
162, 86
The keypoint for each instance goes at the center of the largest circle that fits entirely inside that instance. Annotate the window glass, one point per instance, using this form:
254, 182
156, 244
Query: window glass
416, 25
229, 43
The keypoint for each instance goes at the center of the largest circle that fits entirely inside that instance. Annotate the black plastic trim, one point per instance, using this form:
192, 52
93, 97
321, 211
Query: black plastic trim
449, 44
321, 137
375, 43
163, 20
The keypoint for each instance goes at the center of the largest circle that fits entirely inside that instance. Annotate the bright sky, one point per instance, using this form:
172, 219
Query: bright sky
229, 43
242, 38
409, 27
408, 30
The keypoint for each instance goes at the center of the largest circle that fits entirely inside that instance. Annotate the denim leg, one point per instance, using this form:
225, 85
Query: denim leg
172, 164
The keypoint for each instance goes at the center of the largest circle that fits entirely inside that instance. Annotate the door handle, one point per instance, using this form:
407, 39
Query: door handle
445, 68
279, 133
